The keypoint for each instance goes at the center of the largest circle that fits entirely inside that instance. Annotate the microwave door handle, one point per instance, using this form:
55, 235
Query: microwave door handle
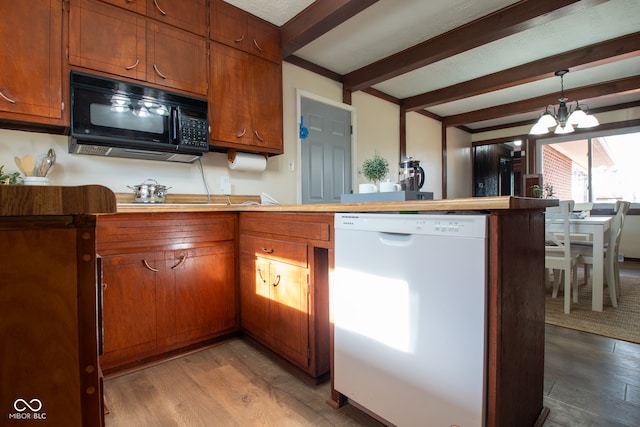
174, 125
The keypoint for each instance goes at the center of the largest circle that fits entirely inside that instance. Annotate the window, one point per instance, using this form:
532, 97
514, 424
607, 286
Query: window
600, 168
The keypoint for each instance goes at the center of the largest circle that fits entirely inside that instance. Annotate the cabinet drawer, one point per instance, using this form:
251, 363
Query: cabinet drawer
288, 252
297, 226
125, 232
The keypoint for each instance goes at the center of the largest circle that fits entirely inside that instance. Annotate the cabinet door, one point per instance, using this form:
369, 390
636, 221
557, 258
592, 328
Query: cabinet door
289, 311
190, 15
31, 74
245, 103
241, 30
266, 101
138, 6
254, 295
229, 106
265, 40
205, 297
129, 303
107, 38
176, 58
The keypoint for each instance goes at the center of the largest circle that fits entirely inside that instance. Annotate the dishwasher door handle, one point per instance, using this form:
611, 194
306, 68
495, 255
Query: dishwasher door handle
395, 239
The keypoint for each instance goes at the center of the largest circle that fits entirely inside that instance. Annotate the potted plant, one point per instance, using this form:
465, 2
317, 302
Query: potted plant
9, 178
375, 168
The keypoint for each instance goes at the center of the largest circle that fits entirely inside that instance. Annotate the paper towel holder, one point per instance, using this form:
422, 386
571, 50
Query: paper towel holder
231, 155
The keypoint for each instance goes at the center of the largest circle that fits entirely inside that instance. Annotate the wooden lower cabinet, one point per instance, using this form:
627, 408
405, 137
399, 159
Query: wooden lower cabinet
275, 304
156, 301
284, 287
49, 357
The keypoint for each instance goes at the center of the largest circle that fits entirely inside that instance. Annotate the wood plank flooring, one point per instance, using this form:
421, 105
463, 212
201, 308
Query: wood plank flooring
230, 384
589, 381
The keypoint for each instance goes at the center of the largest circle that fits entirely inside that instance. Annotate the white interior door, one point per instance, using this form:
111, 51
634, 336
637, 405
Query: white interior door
325, 151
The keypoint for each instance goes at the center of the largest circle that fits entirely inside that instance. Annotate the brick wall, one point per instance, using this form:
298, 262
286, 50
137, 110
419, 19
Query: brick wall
557, 172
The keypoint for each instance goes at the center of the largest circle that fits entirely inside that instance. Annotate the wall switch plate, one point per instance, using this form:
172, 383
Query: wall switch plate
225, 185
290, 165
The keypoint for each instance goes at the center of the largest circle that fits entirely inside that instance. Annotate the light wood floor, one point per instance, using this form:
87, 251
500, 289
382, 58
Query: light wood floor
231, 384
589, 381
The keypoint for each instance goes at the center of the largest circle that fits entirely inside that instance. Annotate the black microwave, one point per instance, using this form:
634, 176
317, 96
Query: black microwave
121, 119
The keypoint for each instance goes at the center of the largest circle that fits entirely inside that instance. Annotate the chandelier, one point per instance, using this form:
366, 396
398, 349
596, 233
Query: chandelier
564, 118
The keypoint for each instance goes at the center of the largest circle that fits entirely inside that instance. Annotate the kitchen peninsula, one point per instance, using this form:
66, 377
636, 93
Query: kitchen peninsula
515, 312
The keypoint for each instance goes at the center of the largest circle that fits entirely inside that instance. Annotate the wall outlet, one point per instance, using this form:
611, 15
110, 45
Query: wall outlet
290, 165
225, 185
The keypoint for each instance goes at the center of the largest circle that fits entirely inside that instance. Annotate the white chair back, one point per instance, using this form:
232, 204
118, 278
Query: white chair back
617, 223
559, 241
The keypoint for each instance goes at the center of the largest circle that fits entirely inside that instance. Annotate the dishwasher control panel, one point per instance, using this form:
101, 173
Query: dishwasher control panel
437, 225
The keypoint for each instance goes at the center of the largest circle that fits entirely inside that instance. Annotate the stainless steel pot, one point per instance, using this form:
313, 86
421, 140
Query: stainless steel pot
149, 192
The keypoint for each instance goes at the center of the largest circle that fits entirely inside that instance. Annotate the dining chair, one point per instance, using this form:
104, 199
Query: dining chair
558, 254
611, 265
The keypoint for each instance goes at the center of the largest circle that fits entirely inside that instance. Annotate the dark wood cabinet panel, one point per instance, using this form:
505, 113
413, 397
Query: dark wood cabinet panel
129, 304
241, 30
48, 330
245, 101
284, 286
180, 290
116, 41
205, 292
176, 59
31, 76
190, 15
254, 296
138, 6
290, 315
108, 39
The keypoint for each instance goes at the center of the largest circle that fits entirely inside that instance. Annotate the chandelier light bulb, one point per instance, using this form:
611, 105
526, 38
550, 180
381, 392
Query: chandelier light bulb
565, 117
561, 130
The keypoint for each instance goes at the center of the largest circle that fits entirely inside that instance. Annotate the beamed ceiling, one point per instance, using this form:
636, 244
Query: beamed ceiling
478, 65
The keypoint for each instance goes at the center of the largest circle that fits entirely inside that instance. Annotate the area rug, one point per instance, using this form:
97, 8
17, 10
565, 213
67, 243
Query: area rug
622, 322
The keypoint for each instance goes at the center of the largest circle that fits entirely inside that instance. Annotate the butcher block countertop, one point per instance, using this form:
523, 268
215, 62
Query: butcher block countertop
34, 200
22, 200
185, 203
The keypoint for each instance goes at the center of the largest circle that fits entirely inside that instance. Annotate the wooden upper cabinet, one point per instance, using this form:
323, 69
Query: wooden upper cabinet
31, 74
107, 39
190, 15
176, 58
245, 101
237, 28
138, 6
113, 40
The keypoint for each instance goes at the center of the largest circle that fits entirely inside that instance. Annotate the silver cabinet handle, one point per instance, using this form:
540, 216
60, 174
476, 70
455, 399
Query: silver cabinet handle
8, 99
261, 278
160, 9
241, 134
258, 136
180, 262
131, 67
146, 264
257, 45
240, 39
158, 71
276, 282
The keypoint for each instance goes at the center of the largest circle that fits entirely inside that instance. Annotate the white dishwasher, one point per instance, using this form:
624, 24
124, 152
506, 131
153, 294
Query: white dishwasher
408, 299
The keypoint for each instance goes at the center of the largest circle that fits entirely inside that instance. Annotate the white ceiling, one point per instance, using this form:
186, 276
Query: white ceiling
390, 26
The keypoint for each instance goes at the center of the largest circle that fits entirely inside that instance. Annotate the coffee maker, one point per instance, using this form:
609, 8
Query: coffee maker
411, 175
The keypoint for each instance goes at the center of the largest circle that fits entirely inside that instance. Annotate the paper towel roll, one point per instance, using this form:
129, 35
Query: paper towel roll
248, 162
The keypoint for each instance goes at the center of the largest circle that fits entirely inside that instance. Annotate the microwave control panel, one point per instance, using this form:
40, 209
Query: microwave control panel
194, 129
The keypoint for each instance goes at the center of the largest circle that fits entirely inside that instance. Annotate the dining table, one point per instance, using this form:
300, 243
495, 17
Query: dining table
598, 228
